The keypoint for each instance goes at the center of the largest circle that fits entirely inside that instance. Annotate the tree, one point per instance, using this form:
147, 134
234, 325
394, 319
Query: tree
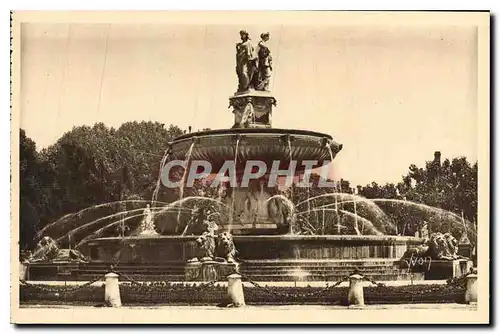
31, 199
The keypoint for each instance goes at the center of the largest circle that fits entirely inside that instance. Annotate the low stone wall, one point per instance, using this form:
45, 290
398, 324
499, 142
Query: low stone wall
212, 294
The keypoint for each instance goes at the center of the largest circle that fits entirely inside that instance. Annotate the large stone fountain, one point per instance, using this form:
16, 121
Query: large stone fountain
260, 226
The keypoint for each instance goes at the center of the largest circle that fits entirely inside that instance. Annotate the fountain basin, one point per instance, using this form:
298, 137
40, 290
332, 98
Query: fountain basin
162, 249
267, 145
261, 258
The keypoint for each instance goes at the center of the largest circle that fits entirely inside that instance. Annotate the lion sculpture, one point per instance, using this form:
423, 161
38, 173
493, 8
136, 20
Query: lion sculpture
47, 250
451, 246
443, 247
211, 248
206, 247
439, 247
225, 247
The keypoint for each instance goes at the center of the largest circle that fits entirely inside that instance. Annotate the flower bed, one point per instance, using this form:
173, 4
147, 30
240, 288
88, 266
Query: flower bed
206, 294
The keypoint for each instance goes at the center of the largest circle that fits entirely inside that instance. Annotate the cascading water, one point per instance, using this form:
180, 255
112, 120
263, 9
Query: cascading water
160, 174
66, 220
233, 192
100, 231
290, 159
337, 217
96, 221
369, 206
183, 180
453, 218
356, 227
308, 203
365, 222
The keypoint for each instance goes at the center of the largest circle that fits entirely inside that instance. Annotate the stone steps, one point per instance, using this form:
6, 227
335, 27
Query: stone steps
179, 271
259, 270
363, 262
330, 278
119, 268
133, 270
323, 270
310, 266
138, 277
307, 267
319, 272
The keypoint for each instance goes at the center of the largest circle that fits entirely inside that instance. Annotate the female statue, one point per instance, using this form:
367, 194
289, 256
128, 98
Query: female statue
246, 62
265, 64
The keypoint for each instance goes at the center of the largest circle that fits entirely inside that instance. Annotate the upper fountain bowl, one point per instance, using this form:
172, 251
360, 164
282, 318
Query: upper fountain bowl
267, 145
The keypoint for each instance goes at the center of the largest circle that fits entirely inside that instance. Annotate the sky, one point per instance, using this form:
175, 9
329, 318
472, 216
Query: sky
391, 94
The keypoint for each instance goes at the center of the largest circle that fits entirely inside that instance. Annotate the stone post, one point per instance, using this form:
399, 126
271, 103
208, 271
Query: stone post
192, 271
471, 290
356, 296
23, 271
112, 290
209, 271
235, 290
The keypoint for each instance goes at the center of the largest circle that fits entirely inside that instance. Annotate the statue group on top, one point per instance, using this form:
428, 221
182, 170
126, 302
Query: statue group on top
253, 63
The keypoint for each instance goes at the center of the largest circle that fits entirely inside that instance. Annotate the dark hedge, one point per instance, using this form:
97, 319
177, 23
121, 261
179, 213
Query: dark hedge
164, 293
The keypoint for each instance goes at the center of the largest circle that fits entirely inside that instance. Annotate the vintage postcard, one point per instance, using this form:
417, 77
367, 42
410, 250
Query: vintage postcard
250, 167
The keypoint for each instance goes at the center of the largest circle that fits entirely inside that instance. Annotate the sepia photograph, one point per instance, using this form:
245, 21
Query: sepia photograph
273, 167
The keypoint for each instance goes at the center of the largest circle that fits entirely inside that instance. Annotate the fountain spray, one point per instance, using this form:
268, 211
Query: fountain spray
330, 152
183, 180
356, 227
337, 213
233, 193
308, 204
158, 183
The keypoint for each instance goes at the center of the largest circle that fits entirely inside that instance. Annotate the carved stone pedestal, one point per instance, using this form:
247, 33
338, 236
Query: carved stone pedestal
465, 250
23, 270
442, 269
192, 271
252, 109
208, 271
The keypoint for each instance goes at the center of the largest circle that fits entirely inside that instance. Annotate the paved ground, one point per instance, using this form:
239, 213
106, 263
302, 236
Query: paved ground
286, 314
471, 307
